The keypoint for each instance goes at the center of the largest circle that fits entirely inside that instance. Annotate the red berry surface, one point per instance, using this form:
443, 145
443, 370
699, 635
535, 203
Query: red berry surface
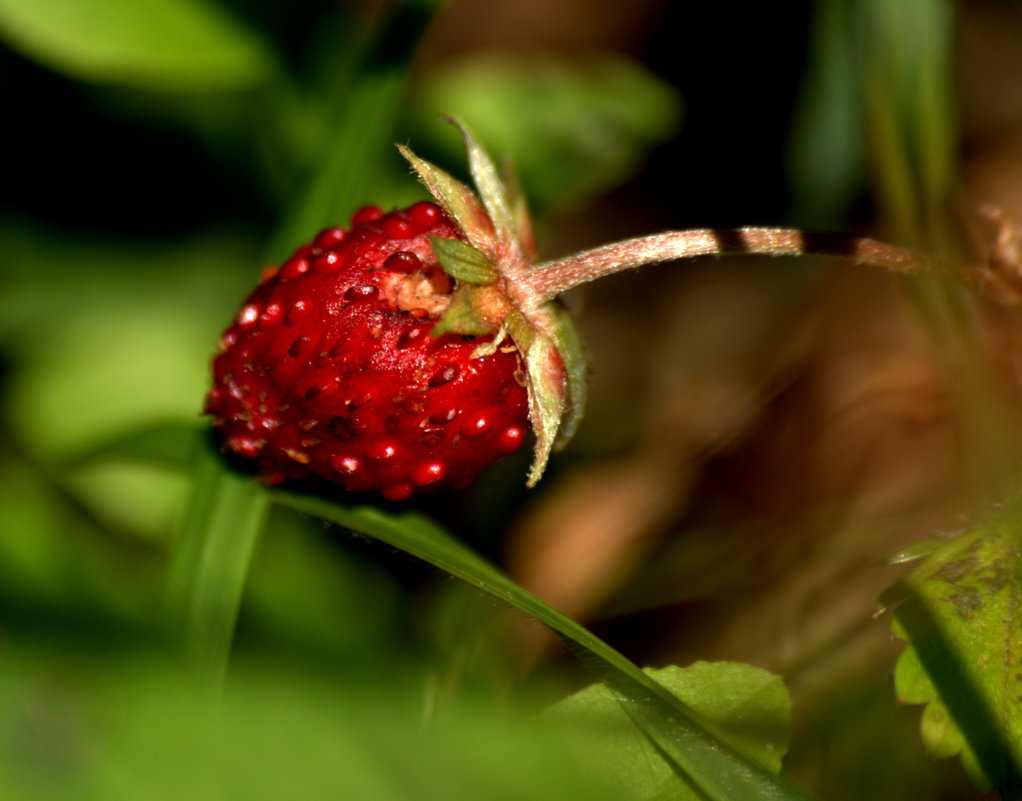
329, 368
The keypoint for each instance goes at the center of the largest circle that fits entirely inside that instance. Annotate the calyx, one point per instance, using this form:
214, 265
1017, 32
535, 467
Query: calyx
493, 293
500, 290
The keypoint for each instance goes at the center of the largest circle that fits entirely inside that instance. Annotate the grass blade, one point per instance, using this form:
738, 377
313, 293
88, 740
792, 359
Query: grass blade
209, 563
708, 764
364, 132
167, 444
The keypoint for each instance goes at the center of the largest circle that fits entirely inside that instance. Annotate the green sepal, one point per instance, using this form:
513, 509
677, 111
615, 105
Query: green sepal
497, 253
519, 209
492, 190
463, 262
546, 380
576, 367
461, 316
461, 205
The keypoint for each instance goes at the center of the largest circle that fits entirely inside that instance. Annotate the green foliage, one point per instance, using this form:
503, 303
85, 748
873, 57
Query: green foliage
132, 728
125, 541
748, 708
877, 107
691, 716
84, 318
348, 168
959, 610
687, 745
176, 45
575, 126
877, 118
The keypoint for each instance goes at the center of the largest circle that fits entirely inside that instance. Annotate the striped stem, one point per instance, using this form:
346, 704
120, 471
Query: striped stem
549, 279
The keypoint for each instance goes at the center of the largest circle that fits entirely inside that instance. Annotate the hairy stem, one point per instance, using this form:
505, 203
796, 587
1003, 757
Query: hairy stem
549, 279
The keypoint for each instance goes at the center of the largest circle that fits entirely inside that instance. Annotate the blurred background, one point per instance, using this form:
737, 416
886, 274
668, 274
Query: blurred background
762, 433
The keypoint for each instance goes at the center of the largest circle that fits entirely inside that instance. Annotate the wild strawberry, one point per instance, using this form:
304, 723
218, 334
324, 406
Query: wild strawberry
416, 347
331, 368
389, 356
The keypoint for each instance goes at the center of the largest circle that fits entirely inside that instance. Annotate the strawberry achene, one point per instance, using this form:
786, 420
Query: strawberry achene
330, 368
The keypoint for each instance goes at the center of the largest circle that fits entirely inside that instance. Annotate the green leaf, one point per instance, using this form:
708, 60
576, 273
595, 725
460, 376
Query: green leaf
463, 262
961, 612
717, 770
747, 707
178, 45
121, 725
52, 555
124, 481
577, 125
305, 592
67, 298
825, 149
870, 111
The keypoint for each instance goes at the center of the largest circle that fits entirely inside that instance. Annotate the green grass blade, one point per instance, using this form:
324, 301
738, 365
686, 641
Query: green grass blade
209, 563
168, 444
707, 763
363, 136
748, 707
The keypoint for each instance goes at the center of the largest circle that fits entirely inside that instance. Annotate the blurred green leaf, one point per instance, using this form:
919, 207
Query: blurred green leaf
107, 337
749, 709
877, 107
473, 640
825, 157
175, 45
54, 554
870, 749
909, 102
575, 127
137, 500
305, 592
299, 590
115, 726
103, 338
961, 612
714, 768
171, 444
125, 482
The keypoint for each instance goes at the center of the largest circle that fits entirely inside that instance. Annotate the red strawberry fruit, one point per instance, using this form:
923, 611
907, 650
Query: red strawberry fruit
413, 349
389, 357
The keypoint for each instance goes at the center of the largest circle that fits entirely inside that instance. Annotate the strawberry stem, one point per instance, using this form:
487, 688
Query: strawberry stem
551, 278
